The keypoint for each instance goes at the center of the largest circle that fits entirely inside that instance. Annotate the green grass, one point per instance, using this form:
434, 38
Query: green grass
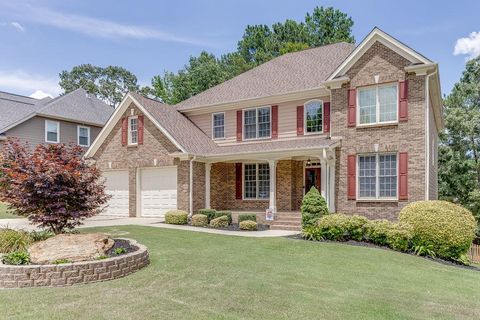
4, 214
205, 276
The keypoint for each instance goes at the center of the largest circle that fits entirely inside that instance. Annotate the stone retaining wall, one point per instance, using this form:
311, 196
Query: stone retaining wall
71, 273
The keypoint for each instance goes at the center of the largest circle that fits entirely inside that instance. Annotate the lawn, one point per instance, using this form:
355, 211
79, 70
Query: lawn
4, 214
204, 276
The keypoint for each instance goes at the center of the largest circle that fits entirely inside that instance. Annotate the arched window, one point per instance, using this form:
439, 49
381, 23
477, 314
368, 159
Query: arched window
314, 116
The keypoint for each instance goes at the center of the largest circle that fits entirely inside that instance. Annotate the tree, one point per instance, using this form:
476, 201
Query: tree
109, 84
53, 186
328, 25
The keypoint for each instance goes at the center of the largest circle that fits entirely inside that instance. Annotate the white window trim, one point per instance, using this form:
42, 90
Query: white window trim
377, 107
305, 132
46, 131
78, 136
129, 136
377, 177
213, 125
256, 180
256, 123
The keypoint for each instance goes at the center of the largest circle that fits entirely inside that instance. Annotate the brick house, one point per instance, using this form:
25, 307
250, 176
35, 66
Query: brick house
359, 123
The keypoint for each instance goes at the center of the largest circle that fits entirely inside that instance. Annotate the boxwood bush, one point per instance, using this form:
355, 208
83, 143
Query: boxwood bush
247, 217
199, 220
313, 207
228, 214
445, 228
341, 227
210, 213
176, 217
399, 236
376, 231
220, 222
248, 225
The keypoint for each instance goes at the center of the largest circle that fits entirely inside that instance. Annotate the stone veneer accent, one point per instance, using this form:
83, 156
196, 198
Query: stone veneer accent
59, 275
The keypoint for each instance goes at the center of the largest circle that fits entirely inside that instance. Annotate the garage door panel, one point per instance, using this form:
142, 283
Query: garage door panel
116, 185
158, 191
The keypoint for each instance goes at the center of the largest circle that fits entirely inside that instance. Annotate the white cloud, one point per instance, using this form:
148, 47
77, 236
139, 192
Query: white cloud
22, 82
17, 26
39, 94
469, 45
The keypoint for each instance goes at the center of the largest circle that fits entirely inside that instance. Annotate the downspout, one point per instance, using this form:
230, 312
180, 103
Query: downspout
427, 134
190, 193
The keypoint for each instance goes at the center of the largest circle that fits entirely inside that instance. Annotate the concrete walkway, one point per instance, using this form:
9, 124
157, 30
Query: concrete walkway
150, 222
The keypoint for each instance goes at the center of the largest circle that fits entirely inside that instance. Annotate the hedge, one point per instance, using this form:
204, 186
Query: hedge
228, 214
210, 213
220, 222
176, 217
248, 225
199, 220
247, 217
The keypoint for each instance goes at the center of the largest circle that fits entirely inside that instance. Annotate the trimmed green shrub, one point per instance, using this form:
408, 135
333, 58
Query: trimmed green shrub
313, 207
16, 258
312, 233
399, 236
220, 222
14, 240
376, 231
210, 213
176, 217
199, 220
247, 217
446, 228
228, 214
341, 227
248, 225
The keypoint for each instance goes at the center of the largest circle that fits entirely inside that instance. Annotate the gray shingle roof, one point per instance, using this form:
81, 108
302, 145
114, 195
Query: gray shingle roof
291, 72
14, 108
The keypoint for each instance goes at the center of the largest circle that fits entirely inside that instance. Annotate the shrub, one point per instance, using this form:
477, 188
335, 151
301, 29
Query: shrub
341, 227
220, 222
61, 261
313, 207
248, 225
40, 235
399, 236
376, 231
210, 213
13, 240
312, 233
176, 217
16, 258
120, 250
199, 220
446, 228
228, 214
247, 217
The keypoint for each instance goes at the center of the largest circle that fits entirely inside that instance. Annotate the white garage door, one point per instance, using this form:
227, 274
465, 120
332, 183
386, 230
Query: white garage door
158, 191
117, 186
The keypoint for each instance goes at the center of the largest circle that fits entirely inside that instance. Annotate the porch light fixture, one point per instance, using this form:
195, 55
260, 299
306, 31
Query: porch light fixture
309, 162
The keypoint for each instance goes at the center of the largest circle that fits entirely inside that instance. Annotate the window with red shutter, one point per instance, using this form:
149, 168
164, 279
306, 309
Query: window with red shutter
300, 121
403, 101
351, 176
352, 106
403, 176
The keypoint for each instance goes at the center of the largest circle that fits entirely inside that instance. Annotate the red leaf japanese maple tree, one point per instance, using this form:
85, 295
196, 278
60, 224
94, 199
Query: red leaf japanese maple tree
51, 185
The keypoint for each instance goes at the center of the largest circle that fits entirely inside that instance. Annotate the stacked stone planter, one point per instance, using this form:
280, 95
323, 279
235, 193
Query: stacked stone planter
67, 274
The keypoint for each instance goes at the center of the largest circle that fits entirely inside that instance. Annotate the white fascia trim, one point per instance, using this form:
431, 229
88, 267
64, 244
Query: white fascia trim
378, 35
336, 83
115, 117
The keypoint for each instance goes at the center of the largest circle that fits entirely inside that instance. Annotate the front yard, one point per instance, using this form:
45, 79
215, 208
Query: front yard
204, 276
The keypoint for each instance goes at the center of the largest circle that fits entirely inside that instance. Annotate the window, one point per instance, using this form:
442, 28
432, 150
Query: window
83, 136
377, 176
218, 120
377, 104
133, 130
52, 131
257, 123
256, 181
314, 117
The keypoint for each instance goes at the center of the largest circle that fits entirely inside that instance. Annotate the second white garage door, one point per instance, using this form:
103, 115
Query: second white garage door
117, 187
158, 191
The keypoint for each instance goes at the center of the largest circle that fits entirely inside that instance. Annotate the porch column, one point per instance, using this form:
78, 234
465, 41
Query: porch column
331, 179
208, 167
273, 184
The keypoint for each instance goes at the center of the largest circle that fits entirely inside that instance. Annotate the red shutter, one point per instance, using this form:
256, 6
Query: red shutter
403, 101
351, 176
124, 131
403, 176
140, 129
326, 117
274, 122
352, 106
300, 121
239, 125
238, 181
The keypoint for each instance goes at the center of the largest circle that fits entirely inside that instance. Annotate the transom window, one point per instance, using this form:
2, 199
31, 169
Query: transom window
218, 120
377, 104
256, 181
133, 130
314, 116
377, 176
256, 123
83, 136
52, 131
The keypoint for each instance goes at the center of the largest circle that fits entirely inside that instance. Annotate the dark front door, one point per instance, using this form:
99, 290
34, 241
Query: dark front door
312, 179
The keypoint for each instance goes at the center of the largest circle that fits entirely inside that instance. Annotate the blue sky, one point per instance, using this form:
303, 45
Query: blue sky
41, 38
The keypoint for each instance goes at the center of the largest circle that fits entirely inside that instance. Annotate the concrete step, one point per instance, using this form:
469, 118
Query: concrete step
285, 227
288, 216
287, 221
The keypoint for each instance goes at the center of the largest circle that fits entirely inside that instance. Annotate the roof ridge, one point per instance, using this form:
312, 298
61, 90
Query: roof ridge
18, 95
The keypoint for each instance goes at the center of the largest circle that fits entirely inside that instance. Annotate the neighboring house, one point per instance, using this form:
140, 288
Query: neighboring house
359, 123
76, 117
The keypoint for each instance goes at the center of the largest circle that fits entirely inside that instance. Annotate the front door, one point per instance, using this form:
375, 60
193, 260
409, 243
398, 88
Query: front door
312, 179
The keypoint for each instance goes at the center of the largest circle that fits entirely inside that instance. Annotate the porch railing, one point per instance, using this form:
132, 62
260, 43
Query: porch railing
474, 253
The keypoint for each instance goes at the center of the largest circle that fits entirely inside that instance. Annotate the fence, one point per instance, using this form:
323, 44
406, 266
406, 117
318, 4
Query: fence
474, 253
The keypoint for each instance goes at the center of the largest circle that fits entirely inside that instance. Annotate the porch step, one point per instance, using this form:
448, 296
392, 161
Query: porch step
277, 226
288, 221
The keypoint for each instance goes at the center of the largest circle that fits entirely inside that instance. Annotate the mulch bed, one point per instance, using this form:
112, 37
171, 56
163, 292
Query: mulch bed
120, 243
233, 227
371, 245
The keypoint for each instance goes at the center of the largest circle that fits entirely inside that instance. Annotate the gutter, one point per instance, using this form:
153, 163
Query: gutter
427, 133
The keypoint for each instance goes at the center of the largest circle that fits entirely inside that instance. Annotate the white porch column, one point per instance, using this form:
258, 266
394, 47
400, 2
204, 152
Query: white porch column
208, 167
273, 184
331, 202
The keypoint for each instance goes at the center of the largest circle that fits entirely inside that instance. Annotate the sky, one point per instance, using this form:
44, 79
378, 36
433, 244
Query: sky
41, 38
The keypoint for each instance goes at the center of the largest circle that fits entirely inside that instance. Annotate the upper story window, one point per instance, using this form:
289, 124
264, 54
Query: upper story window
256, 181
52, 131
377, 104
133, 130
257, 123
314, 116
218, 125
83, 134
377, 176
